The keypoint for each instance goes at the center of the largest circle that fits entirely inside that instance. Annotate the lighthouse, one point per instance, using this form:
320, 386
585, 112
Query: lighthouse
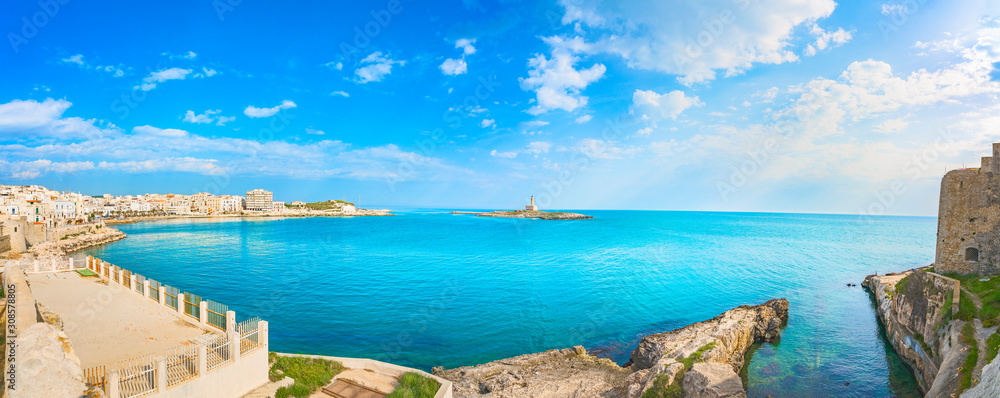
532, 206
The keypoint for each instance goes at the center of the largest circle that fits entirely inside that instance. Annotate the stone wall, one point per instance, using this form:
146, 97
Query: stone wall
4, 244
969, 220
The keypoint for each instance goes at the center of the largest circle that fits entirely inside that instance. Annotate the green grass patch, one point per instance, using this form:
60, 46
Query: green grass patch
992, 346
413, 385
965, 375
966, 308
86, 272
309, 374
660, 388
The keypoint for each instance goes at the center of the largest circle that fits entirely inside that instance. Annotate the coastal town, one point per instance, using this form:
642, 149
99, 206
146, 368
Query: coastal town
34, 214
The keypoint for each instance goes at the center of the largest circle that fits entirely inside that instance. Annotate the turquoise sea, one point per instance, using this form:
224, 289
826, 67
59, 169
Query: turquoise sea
427, 288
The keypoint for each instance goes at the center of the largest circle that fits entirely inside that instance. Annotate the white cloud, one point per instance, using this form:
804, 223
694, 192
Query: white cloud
189, 55
651, 107
148, 149
206, 117
453, 66
191, 117
334, 65
256, 112
664, 35
209, 72
534, 123
644, 131
892, 126
313, 131
487, 123
457, 66
340, 94
376, 67
466, 46
534, 148
508, 155
150, 82
584, 119
74, 59
826, 39
33, 119
557, 84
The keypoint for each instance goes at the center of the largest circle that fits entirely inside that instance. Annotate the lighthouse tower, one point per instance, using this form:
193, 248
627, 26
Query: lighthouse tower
532, 206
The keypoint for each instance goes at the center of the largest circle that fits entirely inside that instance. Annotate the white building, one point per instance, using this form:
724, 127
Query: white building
259, 200
64, 209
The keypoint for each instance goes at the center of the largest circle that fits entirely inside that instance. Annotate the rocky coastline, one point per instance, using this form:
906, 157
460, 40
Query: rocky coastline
289, 214
699, 360
62, 247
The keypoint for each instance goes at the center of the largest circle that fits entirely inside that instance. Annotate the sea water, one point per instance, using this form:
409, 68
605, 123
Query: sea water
427, 288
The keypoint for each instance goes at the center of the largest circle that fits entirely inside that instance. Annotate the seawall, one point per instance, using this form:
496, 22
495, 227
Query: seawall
702, 360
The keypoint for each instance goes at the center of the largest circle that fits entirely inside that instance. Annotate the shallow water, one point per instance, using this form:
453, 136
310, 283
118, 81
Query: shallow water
428, 288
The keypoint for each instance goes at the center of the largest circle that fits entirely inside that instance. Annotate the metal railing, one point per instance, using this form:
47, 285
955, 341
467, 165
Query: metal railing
137, 376
138, 283
170, 296
182, 364
154, 290
127, 278
218, 351
216, 314
192, 305
96, 377
114, 273
249, 338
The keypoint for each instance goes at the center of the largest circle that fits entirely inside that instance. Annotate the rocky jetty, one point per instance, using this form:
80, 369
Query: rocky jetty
541, 215
60, 248
702, 360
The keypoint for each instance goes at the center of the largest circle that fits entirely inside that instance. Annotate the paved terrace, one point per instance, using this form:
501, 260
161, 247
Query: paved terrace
108, 324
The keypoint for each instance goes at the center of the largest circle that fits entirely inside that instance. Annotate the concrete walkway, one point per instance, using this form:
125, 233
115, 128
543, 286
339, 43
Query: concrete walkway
109, 324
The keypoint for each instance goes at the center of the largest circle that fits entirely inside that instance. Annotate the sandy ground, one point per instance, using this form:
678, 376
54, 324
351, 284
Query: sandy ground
108, 324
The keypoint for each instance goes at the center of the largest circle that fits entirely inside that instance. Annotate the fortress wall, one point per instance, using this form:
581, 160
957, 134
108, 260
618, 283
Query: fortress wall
969, 217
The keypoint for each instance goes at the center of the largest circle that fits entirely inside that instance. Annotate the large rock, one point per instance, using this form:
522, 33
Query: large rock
712, 380
732, 332
46, 365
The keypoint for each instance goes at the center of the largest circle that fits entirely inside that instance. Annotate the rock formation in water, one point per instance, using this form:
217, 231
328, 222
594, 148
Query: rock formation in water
917, 311
702, 360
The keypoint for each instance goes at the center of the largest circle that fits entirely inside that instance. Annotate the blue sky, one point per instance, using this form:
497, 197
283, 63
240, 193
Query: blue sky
742, 105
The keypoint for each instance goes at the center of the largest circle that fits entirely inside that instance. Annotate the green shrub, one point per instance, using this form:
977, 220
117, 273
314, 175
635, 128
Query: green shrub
309, 374
901, 285
412, 385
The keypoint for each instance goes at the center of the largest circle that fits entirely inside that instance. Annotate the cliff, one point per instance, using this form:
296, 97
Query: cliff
921, 317
698, 360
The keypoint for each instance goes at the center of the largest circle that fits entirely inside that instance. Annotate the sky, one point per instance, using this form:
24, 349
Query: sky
716, 105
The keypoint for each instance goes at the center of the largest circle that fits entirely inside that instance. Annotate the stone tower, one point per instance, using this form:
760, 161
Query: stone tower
968, 238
